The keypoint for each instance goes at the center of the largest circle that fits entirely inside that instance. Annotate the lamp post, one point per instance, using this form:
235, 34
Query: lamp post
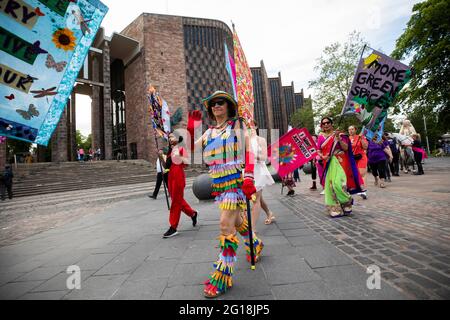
426, 134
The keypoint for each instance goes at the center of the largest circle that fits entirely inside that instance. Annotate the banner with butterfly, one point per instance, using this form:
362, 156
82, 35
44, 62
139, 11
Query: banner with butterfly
43, 45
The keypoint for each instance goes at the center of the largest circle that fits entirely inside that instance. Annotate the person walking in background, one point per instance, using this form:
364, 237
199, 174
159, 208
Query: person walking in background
377, 161
91, 154
359, 147
81, 154
418, 153
161, 174
263, 178
98, 153
389, 157
395, 150
6, 182
176, 162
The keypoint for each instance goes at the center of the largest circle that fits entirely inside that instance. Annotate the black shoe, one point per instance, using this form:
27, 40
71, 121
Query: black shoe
291, 193
194, 219
170, 233
152, 196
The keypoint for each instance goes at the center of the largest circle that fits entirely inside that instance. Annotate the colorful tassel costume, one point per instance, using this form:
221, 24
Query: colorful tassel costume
245, 233
223, 157
221, 279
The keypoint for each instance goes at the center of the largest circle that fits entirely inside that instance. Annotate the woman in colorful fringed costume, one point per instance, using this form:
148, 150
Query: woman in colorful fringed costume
341, 176
222, 145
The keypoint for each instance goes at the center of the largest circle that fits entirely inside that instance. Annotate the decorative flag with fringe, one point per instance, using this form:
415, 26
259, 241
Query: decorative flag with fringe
231, 69
43, 45
244, 82
159, 112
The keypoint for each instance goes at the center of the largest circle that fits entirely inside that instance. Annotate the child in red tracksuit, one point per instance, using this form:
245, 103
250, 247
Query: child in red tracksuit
176, 161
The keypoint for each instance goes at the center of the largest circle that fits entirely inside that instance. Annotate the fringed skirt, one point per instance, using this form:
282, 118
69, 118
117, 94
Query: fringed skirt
227, 186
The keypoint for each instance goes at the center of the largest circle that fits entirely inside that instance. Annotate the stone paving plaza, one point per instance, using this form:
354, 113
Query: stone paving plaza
403, 229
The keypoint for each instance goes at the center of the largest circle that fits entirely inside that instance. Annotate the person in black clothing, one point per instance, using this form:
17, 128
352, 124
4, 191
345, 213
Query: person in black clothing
161, 173
395, 149
418, 153
6, 182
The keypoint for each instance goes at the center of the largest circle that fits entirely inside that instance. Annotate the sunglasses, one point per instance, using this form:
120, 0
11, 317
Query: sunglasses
325, 123
217, 103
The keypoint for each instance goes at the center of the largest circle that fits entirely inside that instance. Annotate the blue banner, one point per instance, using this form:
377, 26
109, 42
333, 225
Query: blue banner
43, 45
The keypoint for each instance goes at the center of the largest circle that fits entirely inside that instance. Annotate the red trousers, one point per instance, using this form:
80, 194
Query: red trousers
177, 182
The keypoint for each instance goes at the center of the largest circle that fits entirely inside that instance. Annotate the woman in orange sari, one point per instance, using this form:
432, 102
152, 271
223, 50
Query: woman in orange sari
341, 177
359, 148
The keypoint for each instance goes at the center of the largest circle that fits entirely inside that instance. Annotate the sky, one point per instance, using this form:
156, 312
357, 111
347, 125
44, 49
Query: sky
289, 35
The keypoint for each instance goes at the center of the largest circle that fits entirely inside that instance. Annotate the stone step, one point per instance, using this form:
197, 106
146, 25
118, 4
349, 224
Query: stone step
69, 199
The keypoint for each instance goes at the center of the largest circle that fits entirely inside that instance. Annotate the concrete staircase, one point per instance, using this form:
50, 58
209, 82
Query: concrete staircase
49, 178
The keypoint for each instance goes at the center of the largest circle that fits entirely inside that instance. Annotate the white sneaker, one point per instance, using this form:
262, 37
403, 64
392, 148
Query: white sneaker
322, 193
363, 195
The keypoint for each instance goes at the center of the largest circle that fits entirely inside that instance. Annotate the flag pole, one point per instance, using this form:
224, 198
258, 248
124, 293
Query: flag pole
346, 99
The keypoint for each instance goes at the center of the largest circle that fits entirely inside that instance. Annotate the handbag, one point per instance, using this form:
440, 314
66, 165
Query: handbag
358, 156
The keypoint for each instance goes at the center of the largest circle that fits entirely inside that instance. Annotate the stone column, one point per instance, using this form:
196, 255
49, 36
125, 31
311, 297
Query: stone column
107, 104
59, 140
73, 127
96, 114
2, 155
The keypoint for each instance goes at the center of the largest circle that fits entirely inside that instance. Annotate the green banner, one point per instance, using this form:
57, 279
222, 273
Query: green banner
58, 6
17, 47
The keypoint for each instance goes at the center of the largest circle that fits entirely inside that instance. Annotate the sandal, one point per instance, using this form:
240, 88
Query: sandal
382, 185
270, 218
211, 291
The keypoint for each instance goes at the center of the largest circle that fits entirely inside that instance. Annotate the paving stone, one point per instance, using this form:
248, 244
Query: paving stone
348, 250
182, 292
190, 274
306, 241
422, 281
291, 225
15, 290
278, 250
412, 289
444, 293
143, 289
293, 270
319, 256
363, 260
50, 295
59, 282
388, 253
313, 290
96, 261
436, 276
406, 262
416, 256
97, 288
298, 232
42, 273
153, 269
10, 277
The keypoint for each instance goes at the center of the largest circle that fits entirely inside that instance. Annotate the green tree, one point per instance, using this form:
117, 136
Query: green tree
304, 117
82, 141
336, 68
427, 41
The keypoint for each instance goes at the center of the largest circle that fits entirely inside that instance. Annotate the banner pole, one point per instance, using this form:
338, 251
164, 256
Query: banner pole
346, 99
